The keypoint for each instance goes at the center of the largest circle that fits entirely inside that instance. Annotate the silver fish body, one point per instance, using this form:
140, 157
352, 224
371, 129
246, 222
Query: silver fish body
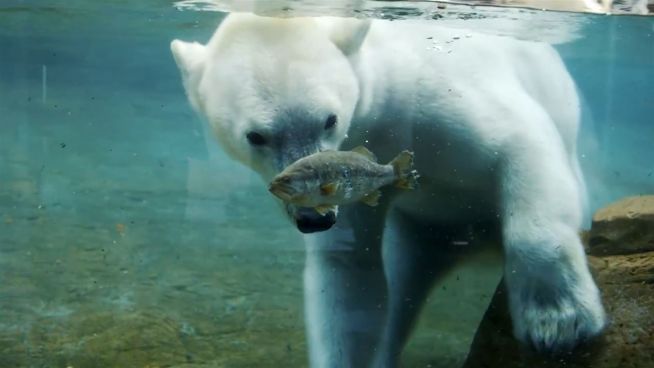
331, 178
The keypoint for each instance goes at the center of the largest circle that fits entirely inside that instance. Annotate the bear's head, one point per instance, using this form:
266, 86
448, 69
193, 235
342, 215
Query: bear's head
276, 90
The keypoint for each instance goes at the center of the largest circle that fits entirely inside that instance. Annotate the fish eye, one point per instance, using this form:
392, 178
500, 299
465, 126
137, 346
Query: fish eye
330, 122
256, 139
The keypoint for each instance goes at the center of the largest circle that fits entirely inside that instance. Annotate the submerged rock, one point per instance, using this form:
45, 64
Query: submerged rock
624, 227
625, 277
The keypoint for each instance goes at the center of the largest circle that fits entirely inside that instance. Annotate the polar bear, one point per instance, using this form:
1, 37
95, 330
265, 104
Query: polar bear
493, 123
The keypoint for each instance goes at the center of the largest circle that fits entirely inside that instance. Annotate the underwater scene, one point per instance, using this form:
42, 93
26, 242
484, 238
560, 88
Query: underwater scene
170, 195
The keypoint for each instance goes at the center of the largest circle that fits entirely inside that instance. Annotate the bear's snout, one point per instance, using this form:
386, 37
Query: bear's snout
310, 221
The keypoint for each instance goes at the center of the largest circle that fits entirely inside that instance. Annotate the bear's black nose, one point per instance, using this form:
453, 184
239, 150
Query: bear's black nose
310, 221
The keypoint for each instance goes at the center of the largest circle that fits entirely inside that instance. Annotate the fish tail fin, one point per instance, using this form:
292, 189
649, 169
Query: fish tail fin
406, 176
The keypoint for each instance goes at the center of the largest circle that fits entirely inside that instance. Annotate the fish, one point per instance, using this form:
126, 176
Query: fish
327, 179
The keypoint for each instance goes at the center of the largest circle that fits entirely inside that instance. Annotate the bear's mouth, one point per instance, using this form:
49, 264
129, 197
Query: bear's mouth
309, 221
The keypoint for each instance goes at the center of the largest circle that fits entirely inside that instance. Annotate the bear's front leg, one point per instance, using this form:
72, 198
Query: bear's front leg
345, 289
553, 299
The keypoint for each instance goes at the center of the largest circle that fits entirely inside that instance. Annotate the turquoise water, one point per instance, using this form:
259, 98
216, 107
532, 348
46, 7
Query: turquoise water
128, 238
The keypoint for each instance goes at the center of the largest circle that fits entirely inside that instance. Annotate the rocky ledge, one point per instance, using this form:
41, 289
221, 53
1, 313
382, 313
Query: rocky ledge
624, 227
620, 247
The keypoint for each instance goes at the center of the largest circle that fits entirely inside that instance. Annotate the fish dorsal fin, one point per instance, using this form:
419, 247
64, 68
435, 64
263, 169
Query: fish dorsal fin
328, 189
372, 198
365, 152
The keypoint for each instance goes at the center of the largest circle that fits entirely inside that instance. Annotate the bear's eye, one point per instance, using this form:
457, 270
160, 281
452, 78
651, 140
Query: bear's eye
255, 139
330, 122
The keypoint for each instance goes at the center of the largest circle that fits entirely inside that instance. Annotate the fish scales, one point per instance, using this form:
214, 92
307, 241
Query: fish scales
330, 178
358, 173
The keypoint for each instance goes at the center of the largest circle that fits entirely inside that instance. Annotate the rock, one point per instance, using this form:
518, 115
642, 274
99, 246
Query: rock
624, 227
627, 285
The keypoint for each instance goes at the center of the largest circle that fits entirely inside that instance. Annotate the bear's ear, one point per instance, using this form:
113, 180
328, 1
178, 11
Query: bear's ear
348, 33
190, 58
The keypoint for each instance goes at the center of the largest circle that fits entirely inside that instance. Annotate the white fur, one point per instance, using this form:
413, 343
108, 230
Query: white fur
493, 124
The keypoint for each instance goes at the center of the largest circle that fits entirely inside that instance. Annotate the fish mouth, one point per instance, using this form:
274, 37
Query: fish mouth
281, 191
